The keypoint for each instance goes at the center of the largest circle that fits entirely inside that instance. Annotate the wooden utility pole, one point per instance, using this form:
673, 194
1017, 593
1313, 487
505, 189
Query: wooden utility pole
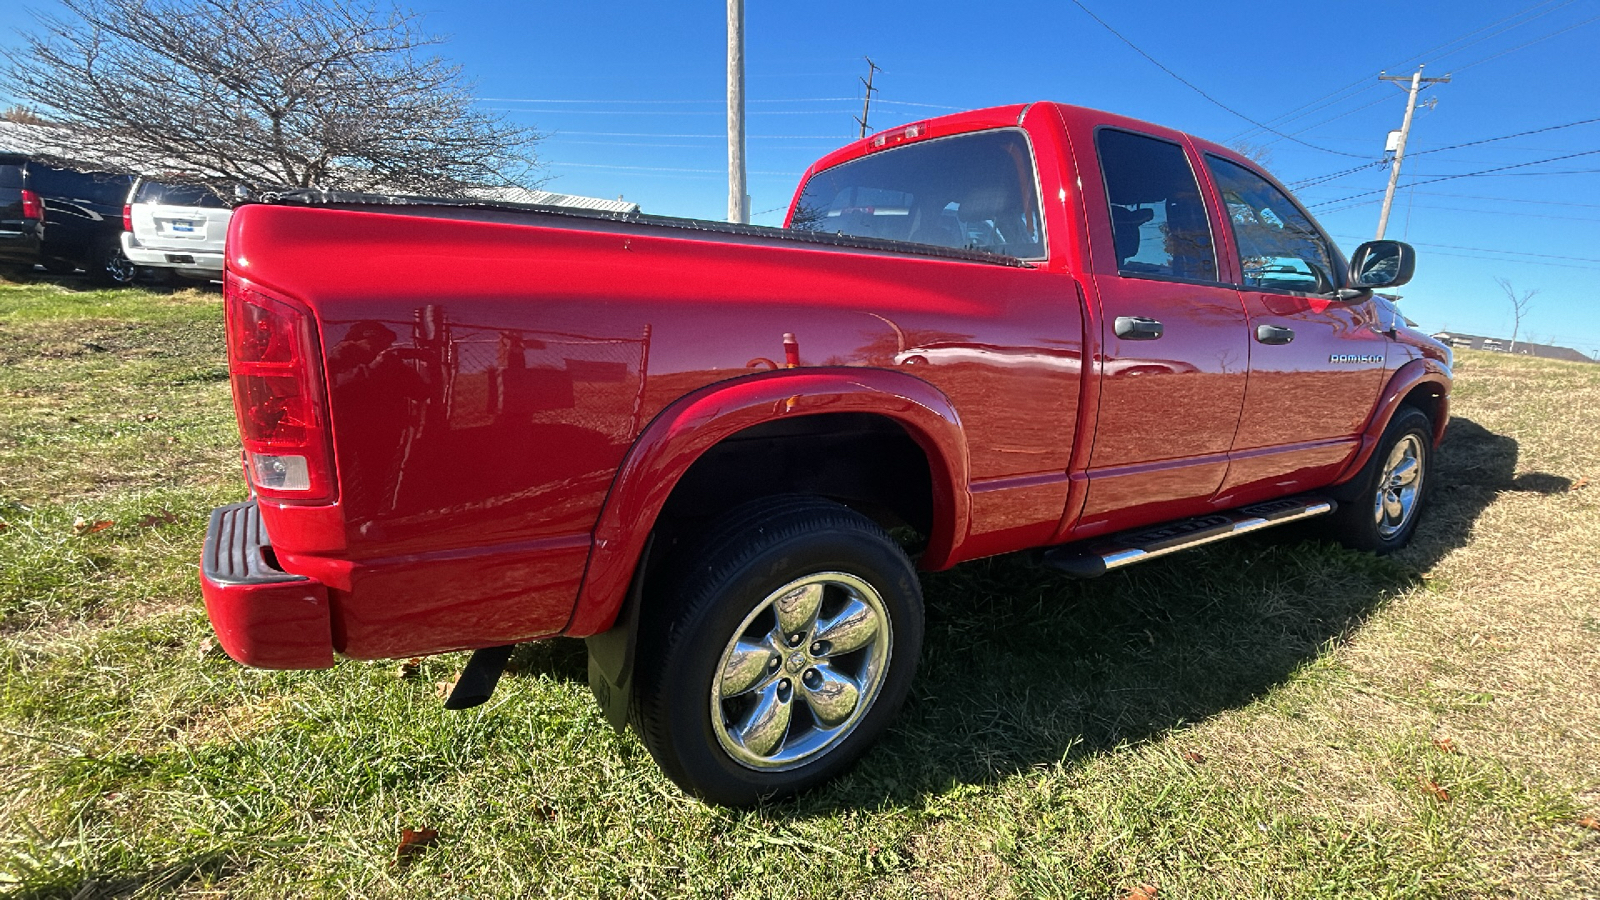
866, 104
1417, 81
738, 200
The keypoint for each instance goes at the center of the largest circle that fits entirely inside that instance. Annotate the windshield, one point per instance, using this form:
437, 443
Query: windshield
972, 191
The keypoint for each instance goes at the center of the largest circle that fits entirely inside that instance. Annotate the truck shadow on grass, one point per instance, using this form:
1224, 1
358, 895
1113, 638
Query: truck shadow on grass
1022, 667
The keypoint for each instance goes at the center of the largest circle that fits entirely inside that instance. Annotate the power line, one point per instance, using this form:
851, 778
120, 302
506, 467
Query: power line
1507, 212
1529, 43
1366, 85
1510, 199
1191, 86
1507, 137
1464, 175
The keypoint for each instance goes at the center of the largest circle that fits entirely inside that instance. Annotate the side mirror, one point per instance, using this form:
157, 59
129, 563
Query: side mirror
1381, 264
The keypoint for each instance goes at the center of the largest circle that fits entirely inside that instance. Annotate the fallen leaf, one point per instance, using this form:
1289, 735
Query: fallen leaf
157, 519
80, 525
4, 525
413, 842
1446, 745
1580, 484
1193, 757
1432, 787
1141, 892
206, 646
445, 687
148, 417
1589, 822
408, 669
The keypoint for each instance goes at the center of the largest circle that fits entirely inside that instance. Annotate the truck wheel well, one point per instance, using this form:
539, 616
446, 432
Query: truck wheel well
1425, 397
864, 461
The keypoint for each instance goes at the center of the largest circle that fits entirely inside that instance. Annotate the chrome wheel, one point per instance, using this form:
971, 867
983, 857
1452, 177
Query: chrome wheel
801, 671
1399, 486
119, 269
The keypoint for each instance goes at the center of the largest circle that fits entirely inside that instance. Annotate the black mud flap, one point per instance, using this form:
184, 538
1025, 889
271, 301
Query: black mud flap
611, 652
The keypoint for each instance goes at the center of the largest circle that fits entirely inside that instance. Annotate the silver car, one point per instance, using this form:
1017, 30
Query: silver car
177, 227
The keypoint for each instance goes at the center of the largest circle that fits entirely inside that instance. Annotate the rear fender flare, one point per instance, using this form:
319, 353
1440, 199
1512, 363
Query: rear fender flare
1407, 378
692, 425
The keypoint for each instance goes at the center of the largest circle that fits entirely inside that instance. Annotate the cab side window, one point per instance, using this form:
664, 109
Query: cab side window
1158, 220
1279, 246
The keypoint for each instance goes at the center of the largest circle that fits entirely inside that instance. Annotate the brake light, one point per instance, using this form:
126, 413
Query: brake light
127, 217
900, 135
277, 395
32, 207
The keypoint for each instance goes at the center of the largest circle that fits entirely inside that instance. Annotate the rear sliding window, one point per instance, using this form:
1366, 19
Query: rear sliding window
971, 191
177, 195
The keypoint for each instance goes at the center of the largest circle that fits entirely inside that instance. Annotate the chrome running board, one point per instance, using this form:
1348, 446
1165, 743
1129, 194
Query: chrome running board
1093, 558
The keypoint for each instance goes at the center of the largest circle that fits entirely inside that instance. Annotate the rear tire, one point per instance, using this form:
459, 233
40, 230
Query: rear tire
114, 268
778, 652
1388, 494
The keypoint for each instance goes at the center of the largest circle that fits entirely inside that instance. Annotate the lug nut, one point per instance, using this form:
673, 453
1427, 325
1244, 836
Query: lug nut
812, 679
772, 662
795, 639
820, 648
785, 688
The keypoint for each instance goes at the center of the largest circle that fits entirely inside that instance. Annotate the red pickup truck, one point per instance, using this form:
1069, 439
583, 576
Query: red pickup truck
720, 452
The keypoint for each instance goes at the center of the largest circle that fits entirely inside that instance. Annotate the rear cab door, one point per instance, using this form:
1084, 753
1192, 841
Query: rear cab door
1316, 362
1172, 365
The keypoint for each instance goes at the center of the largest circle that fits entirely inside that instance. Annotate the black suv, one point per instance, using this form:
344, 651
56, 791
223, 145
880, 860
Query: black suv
62, 219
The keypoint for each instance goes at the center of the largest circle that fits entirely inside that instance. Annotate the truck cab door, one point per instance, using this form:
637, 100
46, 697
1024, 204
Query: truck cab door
1316, 362
1174, 351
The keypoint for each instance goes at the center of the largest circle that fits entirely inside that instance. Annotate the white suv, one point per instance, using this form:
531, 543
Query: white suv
176, 227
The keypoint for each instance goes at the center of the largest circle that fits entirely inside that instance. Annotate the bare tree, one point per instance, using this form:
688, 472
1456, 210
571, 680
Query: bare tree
297, 93
1520, 304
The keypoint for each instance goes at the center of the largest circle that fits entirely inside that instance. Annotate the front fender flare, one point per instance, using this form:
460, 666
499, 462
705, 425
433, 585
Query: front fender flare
692, 425
1405, 380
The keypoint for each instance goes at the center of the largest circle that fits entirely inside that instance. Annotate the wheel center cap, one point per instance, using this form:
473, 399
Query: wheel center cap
797, 661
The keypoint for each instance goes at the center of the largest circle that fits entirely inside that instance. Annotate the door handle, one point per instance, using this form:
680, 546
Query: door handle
1274, 334
1137, 328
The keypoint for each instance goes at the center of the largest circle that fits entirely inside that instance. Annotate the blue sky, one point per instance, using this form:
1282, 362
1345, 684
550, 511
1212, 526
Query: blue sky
630, 96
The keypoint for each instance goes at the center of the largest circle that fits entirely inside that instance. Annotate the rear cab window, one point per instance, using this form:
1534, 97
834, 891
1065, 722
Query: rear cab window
1158, 215
973, 191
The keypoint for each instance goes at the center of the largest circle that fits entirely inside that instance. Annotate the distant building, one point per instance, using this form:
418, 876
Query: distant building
1503, 345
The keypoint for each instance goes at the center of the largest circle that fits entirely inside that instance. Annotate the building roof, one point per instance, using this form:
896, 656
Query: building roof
1503, 345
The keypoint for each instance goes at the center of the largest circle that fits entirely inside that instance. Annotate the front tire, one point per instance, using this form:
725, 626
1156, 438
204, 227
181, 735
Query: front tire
779, 653
1387, 500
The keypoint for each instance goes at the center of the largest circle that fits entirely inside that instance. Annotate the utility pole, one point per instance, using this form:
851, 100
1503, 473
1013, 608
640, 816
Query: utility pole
866, 104
1416, 81
738, 200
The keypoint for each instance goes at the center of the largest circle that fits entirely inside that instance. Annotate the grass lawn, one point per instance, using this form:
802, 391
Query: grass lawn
1272, 717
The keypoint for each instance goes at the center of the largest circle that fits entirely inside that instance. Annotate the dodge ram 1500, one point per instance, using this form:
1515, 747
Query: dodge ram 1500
720, 453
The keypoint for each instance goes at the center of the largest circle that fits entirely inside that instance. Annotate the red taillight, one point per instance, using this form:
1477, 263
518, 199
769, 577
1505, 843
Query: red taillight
32, 208
277, 395
127, 217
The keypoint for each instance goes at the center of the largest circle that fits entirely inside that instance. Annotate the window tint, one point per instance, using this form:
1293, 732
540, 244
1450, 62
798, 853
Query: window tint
1279, 246
11, 175
1158, 221
974, 191
177, 195
92, 187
